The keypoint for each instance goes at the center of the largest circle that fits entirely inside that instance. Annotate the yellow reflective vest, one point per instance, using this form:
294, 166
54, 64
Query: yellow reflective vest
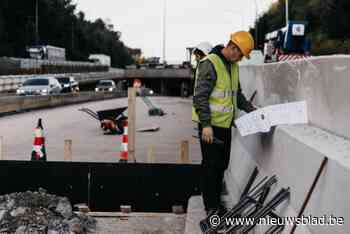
223, 99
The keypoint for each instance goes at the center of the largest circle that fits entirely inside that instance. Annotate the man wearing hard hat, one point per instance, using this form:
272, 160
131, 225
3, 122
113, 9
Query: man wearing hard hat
202, 50
199, 52
217, 93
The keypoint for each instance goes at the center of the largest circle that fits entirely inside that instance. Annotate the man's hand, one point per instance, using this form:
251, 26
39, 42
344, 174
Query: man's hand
207, 135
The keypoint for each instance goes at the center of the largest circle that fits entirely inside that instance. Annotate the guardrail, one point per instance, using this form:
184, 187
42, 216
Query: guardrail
11, 82
23, 103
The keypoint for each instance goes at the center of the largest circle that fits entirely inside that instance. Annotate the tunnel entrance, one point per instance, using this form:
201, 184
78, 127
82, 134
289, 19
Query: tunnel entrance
173, 87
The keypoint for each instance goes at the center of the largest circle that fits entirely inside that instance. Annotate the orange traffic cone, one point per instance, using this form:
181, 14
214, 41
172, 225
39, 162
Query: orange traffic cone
124, 145
39, 151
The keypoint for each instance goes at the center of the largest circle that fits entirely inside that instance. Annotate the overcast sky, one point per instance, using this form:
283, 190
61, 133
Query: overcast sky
188, 22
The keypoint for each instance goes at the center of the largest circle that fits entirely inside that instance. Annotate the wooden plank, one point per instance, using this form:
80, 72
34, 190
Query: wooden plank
131, 122
185, 152
151, 128
1, 148
150, 154
68, 150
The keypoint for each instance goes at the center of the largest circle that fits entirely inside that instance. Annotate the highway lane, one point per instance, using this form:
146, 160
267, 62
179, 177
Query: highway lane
89, 143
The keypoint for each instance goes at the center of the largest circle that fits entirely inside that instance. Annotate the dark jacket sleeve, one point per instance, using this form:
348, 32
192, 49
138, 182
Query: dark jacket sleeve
204, 86
242, 102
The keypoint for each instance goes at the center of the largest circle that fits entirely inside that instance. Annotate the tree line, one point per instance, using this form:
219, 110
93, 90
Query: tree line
328, 23
59, 25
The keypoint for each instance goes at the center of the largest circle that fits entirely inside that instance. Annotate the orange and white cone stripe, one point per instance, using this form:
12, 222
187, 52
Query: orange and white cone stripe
124, 145
39, 141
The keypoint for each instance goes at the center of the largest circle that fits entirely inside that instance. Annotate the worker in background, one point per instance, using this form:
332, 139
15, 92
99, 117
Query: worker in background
268, 50
200, 51
217, 93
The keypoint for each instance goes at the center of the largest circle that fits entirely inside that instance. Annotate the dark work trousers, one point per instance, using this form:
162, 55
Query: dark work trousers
215, 160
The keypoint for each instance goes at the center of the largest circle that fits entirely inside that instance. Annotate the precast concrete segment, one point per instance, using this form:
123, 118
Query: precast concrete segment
294, 154
321, 81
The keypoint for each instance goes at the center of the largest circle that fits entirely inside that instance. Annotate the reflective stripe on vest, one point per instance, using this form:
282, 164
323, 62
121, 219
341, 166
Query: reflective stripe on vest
223, 94
222, 109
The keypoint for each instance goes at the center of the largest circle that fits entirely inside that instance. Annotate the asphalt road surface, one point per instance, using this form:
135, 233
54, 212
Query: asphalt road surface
89, 142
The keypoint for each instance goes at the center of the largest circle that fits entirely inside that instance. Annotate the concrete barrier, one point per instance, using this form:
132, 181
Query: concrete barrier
294, 153
22, 103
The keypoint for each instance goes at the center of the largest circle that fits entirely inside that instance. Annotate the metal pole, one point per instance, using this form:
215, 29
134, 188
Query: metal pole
256, 24
36, 23
164, 30
68, 150
287, 12
131, 122
311, 190
72, 36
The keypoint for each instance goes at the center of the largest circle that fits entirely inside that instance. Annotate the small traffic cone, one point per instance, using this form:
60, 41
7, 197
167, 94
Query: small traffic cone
124, 145
39, 151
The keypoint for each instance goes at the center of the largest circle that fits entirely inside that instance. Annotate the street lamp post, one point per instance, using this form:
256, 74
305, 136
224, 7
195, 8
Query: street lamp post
36, 23
256, 24
287, 12
164, 32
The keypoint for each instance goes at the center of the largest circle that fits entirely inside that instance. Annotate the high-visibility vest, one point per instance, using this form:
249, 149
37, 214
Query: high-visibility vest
223, 99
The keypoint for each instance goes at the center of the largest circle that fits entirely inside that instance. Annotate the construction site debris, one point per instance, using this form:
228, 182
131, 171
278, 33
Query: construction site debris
39, 212
152, 109
153, 128
156, 112
111, 120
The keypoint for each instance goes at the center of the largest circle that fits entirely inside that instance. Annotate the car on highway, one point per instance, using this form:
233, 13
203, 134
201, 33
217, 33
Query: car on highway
40, 86
68, 83
105, 86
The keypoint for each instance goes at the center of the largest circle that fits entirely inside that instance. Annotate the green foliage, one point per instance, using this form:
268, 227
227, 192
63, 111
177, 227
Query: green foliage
59, 25
329, 27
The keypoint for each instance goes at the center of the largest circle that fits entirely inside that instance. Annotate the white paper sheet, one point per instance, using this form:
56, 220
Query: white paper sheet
263, 119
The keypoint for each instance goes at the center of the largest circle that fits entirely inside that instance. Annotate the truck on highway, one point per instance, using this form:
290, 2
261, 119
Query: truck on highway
102, 59
287, 43
46, 52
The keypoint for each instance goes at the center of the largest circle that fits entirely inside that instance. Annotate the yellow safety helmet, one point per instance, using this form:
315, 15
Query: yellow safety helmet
244, 41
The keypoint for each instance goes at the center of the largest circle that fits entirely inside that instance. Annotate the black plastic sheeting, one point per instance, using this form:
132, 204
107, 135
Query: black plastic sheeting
106, 186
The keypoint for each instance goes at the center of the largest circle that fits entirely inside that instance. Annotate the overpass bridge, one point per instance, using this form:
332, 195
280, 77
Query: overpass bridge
162, 81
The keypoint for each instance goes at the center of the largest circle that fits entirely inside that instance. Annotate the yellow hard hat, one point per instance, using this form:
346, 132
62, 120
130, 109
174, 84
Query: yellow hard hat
244, 41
